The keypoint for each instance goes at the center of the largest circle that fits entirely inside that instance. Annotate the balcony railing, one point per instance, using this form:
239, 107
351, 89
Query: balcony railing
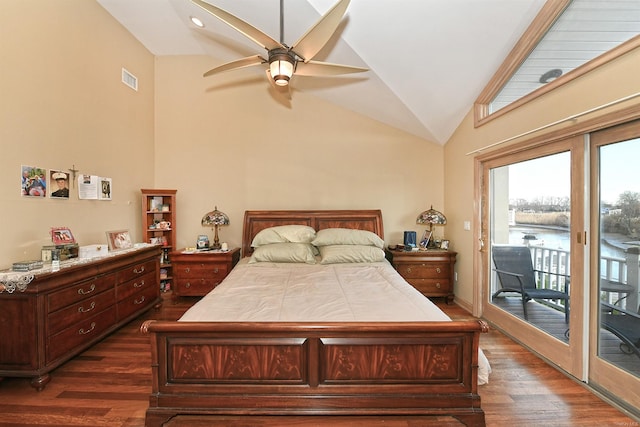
619, 276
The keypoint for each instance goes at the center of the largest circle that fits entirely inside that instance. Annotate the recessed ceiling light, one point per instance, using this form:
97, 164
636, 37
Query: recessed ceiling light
197, 22
550, 75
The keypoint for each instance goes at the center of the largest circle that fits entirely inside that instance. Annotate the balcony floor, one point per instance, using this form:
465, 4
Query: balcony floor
552, 322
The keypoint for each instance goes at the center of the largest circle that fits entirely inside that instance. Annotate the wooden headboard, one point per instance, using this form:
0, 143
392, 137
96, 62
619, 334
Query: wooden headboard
255, 221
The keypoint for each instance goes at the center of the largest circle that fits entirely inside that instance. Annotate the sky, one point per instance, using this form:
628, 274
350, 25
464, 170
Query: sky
550, 176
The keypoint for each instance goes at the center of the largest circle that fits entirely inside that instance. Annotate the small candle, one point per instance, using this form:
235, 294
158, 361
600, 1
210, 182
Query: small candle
225, 247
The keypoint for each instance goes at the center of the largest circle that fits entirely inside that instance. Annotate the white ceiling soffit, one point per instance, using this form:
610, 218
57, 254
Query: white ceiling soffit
584, 31
428, 59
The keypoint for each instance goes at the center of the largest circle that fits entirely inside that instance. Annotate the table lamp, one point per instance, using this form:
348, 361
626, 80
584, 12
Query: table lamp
214, 219
431, 217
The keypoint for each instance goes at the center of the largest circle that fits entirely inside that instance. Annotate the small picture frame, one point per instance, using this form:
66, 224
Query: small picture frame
426, 239
119, 240
444, 245
62, 236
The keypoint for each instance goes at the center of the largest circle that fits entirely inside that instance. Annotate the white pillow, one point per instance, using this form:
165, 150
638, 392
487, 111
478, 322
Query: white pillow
284, 234
284, 252
339, 254
347, 236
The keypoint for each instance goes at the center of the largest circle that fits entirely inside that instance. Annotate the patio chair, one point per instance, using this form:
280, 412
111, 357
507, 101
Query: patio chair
516, 275
624, 324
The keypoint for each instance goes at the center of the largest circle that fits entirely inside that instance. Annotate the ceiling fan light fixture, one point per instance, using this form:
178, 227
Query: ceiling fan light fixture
281, 67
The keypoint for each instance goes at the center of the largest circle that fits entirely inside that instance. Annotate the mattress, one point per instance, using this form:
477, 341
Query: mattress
287, 292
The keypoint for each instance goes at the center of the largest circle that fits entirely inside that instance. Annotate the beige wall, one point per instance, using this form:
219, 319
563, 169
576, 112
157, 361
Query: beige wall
62, 104
225, 141
611, 82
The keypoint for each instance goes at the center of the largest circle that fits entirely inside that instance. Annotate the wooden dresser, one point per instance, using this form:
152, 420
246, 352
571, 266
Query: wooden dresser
62, 313
430, 272
196, 274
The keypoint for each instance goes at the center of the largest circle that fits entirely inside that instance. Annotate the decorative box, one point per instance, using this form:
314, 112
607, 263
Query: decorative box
27, 265
93, 251
66, 251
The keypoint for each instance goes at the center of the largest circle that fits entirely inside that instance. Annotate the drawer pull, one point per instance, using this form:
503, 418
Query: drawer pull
138, 285
187, 285
139, 270
140, 301
81, 309
408, 269
438, 270
438, 285
83, 332
187, 270
215, 271
91, 289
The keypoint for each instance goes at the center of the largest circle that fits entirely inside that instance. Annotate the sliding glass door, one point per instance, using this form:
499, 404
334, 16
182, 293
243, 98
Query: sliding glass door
560, 254
615, 325
532, 285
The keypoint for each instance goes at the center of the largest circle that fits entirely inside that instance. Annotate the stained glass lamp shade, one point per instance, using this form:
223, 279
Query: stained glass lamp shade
214, 219
431, 217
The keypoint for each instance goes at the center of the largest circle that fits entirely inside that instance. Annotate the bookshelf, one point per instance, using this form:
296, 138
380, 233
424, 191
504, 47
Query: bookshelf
159, 226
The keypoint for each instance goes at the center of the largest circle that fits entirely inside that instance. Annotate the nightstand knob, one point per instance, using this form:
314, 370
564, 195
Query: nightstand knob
438, 285
187, 285
408, 269
438, 270
187, 270
215, 271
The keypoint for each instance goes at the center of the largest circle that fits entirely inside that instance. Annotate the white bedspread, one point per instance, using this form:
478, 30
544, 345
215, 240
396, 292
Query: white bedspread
264, 292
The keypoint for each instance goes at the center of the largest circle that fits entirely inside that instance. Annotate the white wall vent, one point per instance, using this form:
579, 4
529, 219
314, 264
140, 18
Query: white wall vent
129, 79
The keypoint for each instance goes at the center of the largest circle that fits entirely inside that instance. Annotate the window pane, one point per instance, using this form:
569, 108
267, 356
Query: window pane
619, 337
530, 244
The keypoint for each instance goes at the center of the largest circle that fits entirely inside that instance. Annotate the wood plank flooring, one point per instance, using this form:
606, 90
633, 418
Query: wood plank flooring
109, 385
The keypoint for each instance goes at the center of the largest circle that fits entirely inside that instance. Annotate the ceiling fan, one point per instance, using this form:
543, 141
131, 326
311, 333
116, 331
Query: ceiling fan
284, 61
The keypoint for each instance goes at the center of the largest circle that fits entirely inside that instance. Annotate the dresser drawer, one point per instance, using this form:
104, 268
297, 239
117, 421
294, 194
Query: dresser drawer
137, 302
136, 270
426, 270
78, 334
135, 285
79, 311
79, 292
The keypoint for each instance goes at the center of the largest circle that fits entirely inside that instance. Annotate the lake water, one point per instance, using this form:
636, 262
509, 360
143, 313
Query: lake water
554, 239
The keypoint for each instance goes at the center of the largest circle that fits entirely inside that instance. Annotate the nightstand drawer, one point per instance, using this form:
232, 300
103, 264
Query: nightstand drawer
193, 270
431, 286
425, 270
196, 287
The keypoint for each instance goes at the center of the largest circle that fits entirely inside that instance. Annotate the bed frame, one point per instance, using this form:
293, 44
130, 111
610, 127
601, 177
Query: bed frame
310, 368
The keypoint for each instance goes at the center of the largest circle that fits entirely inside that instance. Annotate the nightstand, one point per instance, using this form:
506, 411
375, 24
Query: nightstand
430, 272
196, 274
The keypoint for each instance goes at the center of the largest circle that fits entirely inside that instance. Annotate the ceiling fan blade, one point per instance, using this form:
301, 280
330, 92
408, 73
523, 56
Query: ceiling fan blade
237, 64
280, 90
241, 26
317, 36
317, 68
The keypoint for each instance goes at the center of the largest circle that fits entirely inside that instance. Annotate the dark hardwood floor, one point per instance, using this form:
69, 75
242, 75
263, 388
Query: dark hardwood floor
109, 385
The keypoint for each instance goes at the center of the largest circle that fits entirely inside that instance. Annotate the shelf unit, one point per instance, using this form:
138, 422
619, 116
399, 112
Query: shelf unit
158, 207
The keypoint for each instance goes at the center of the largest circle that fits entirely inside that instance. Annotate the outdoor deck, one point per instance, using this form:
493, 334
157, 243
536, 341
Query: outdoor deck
552, 321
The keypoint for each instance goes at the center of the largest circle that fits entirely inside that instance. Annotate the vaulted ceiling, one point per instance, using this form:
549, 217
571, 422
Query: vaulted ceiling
428, 59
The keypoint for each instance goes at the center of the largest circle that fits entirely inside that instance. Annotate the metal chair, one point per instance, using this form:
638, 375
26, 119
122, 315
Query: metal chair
516, 275
624, 324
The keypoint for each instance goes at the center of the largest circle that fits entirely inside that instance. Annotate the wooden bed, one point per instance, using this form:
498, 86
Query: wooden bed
307, 368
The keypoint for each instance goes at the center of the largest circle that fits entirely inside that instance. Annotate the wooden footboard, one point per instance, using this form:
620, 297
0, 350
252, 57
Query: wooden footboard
416, 368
